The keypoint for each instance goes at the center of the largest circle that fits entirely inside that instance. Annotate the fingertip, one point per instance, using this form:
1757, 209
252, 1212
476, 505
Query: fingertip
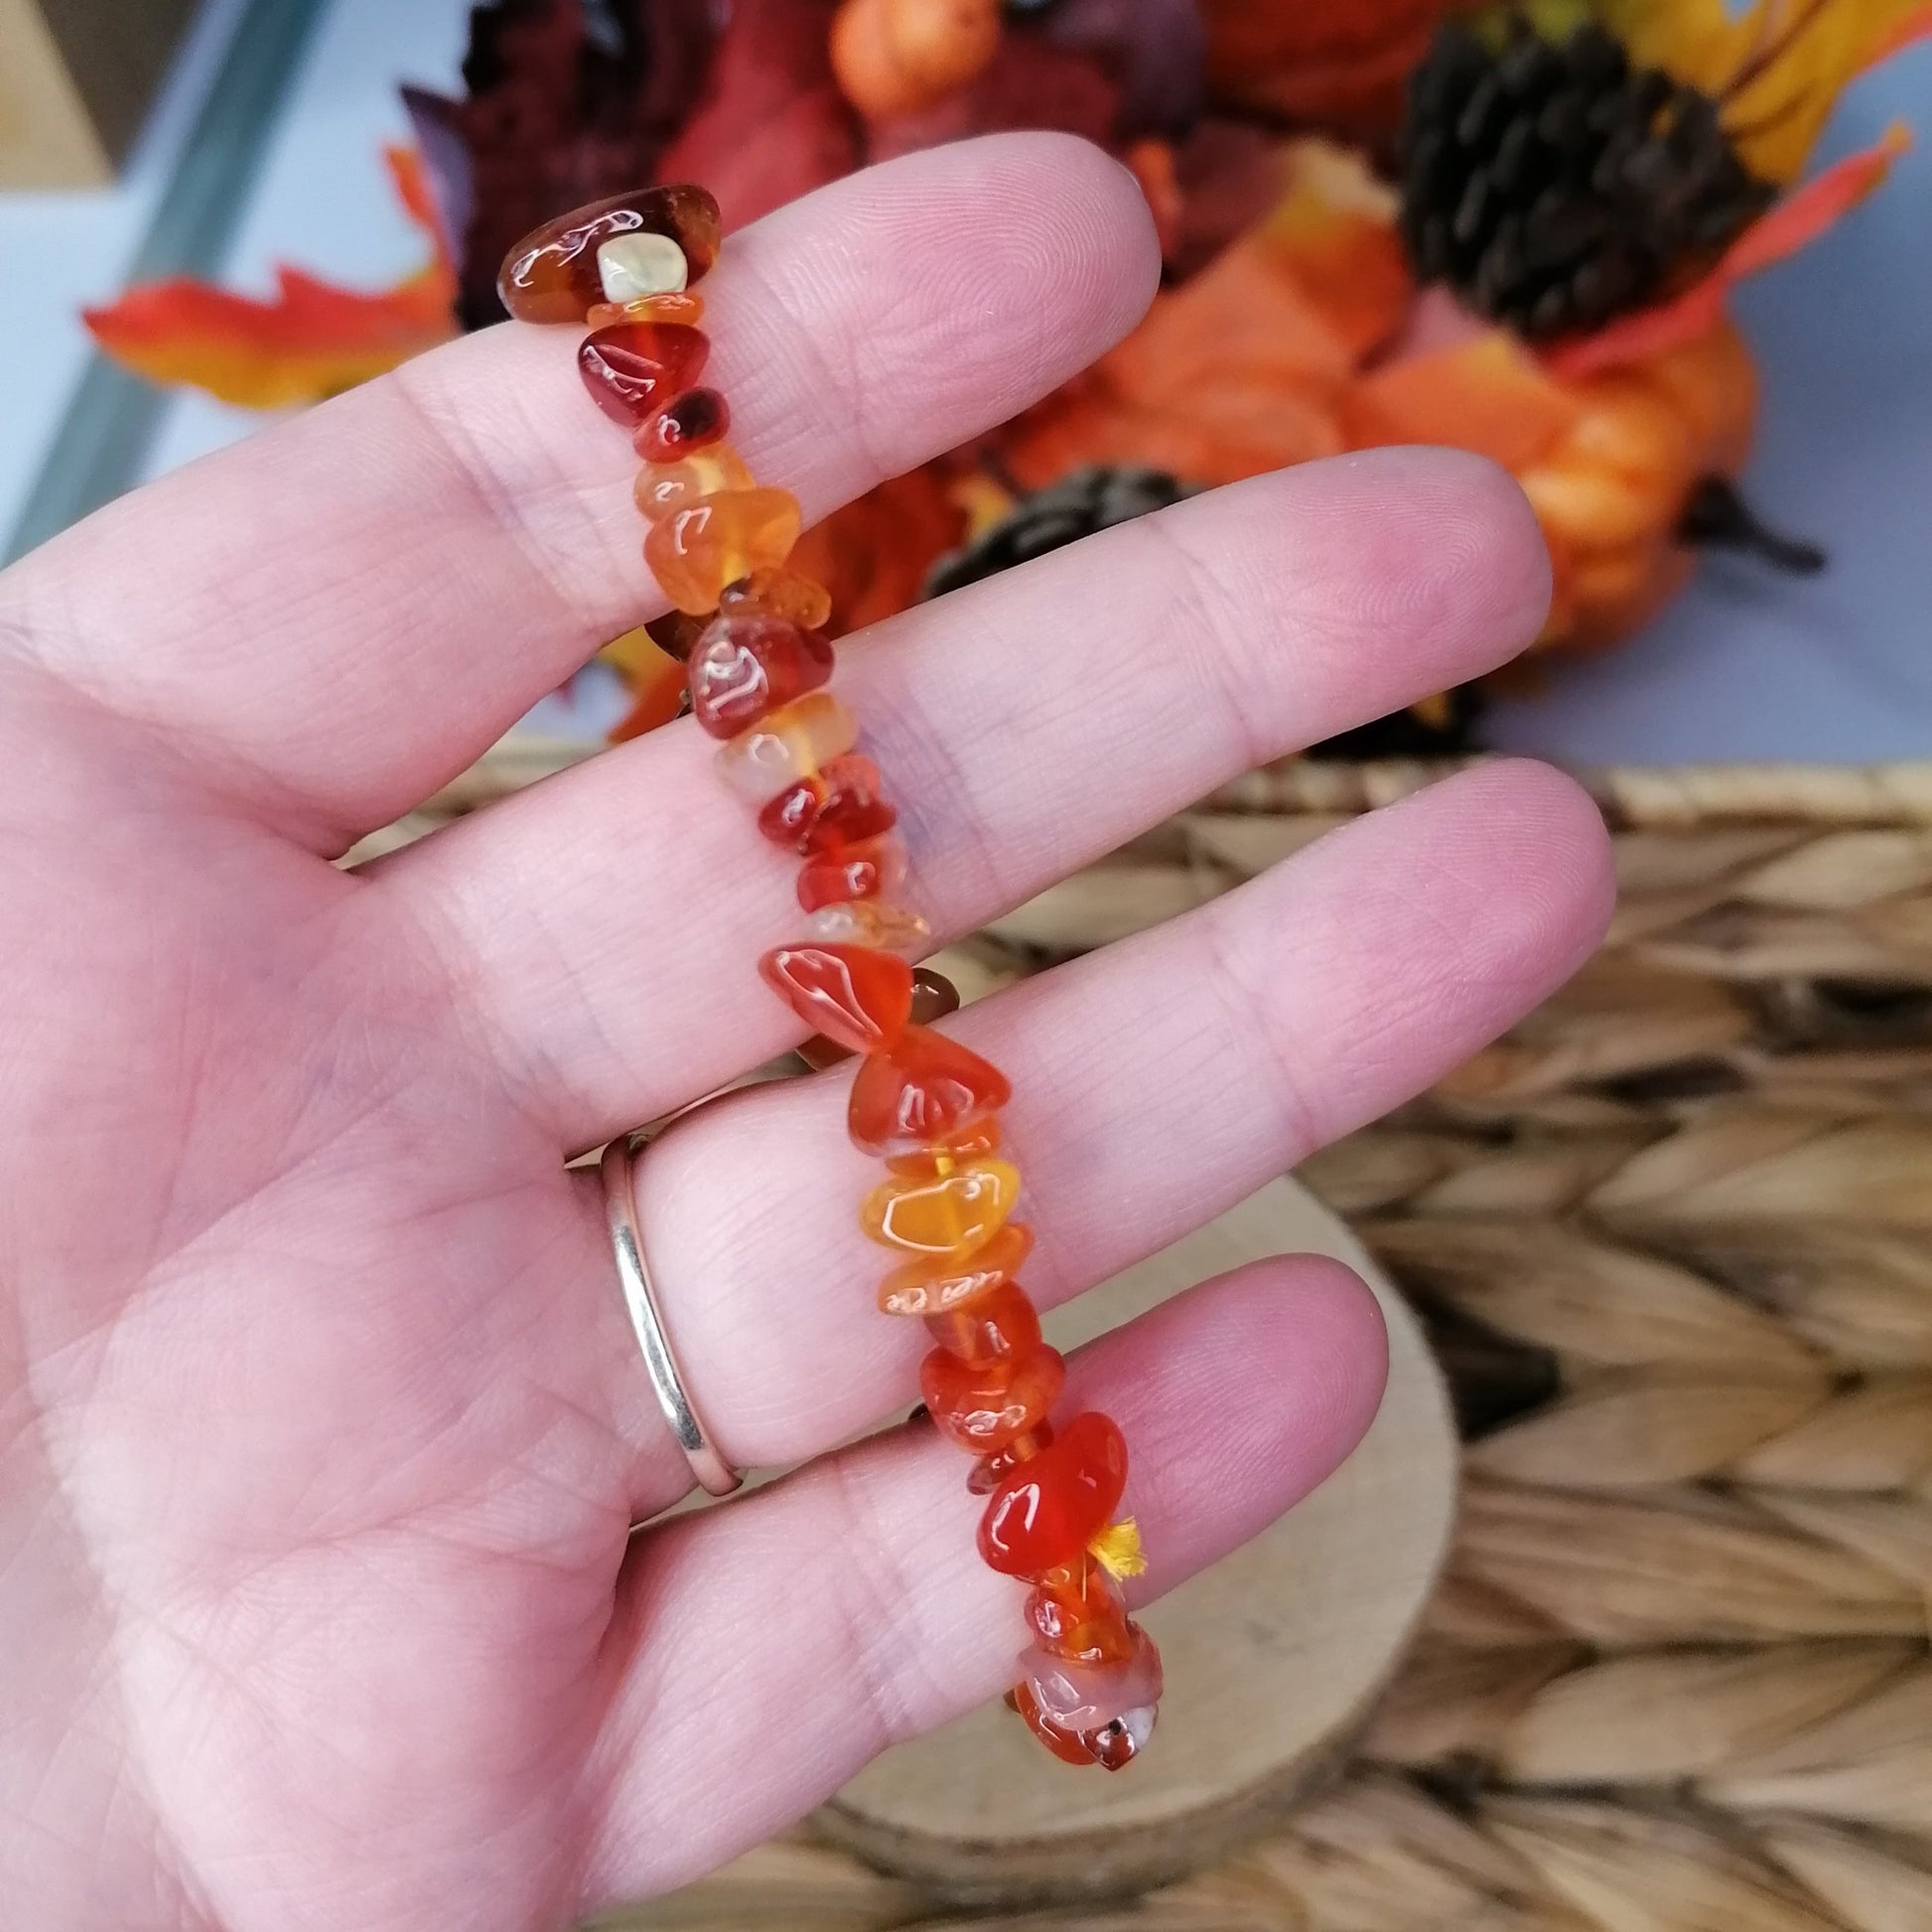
1527, 821
1271, 1374
1430, 557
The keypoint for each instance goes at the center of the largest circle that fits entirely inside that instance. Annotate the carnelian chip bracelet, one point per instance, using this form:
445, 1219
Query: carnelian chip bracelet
752, 634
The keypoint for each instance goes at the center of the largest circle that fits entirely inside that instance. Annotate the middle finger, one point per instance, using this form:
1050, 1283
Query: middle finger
603, 925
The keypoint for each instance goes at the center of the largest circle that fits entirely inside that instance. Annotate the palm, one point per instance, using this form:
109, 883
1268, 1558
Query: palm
321, 1430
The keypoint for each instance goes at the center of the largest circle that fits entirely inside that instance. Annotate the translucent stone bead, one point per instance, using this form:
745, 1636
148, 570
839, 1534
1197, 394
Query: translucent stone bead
952, 1216
921, 1094
859, 998
869, 922
937, 1284
969, 1144
874, 868
690, 422
1000, 1327
785, 594
1081, 1696
791, 743
662, 487
1067, 1745
746, 667
636, 367
934, 996
633, 267
553, 274
674, 305
985, 1409
1045, 1513
1116, 1746
990, 1471
697, 550
840, 806
1077, 1612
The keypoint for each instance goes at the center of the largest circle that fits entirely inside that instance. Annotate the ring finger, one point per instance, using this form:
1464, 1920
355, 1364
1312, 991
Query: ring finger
1158, 1083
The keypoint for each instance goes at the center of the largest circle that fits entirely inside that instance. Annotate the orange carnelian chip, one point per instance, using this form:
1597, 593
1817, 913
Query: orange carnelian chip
633, 368
851, 994
922, 1093
990, 1471
875, 867
662, 487
744, 667
870, 923
790, 744
984, 1409
785, 594
673, 305
950, 1215
1001, 1325
696, 551
1077, 1612
1049, 1510
932, 1286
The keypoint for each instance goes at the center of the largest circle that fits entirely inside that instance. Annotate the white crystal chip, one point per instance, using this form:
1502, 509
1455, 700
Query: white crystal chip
631, 266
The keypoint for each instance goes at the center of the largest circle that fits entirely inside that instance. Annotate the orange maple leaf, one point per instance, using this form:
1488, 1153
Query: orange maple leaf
311, 342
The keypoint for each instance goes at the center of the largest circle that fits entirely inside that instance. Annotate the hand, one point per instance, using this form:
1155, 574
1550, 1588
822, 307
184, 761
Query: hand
322, 1431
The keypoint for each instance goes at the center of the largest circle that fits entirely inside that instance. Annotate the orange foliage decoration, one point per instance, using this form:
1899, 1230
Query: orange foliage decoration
312, 341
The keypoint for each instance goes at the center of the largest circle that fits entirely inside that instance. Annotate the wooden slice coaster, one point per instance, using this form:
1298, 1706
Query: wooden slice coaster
1273, 1657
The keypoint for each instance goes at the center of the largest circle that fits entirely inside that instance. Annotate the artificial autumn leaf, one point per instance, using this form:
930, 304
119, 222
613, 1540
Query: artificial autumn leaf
311, 342
768, 122
1789, 225
872, 555
655, 680
1489, 395
1332, 229
1028, 84
1777, 70
1335, 65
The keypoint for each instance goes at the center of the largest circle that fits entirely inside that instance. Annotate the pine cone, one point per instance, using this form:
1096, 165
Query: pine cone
1097, 498
1074, 507
1552, 186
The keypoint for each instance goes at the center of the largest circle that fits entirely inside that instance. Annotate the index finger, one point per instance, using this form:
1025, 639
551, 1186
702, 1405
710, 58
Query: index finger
339, 615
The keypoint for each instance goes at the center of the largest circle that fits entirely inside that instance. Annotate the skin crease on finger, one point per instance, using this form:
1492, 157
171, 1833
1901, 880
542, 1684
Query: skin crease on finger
320, 1430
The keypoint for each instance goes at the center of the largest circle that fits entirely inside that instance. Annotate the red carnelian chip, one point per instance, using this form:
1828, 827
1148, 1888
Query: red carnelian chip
1077, 1612
1064, 1744
634, 366
934, 1283
872, 869
836, 806
1001, 1325
850, 994
984, 1409
921, 1094
744, 668
688, 423
1049, 1510
990, 1471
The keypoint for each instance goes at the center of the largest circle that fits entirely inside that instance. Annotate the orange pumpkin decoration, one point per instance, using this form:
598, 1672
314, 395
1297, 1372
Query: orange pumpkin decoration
896, 57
